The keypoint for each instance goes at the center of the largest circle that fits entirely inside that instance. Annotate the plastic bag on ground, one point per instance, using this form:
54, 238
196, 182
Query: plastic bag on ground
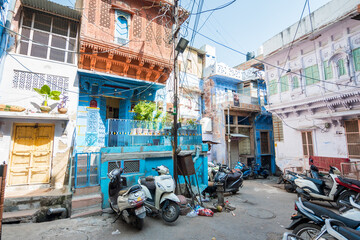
192, 214
206, 212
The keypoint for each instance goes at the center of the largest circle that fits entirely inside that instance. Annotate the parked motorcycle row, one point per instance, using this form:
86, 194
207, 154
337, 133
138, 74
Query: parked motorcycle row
152, 195
312, 221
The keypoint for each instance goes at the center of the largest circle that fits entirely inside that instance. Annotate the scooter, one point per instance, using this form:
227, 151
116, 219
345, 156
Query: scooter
352, 188
316, 189
333, 228
160, 196
230, 180
254, 171
309, 217
126, 202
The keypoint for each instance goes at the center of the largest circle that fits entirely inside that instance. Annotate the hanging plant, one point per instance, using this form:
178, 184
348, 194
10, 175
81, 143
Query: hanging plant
47, 94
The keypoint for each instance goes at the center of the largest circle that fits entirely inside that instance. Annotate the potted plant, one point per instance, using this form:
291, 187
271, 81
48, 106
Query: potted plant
46, 93
62, 104
147, 112
191, 124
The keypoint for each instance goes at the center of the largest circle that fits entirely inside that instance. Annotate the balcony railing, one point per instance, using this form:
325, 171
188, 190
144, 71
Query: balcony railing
124, 132
236, 100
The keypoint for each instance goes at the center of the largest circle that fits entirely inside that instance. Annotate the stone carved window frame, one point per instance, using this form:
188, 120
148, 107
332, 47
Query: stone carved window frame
117, 38
333, 61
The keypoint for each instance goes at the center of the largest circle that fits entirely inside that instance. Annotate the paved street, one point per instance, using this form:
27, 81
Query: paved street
262, 212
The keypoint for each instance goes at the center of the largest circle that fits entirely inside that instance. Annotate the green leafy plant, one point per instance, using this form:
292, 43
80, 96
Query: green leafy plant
191, 123
46, 92
144, 111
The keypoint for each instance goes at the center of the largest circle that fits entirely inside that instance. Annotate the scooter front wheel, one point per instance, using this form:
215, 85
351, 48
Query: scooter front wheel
170, 211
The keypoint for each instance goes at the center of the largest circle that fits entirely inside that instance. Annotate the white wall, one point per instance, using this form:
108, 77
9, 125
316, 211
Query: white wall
24, 98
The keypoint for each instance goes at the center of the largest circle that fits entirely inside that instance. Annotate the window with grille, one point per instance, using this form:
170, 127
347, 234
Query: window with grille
341, 67
307, 142
265, 143
29, 80
113, 165
131, 166
356, 55
312, 75
49, 37
327, 70
278, 129
284, 85
352, 129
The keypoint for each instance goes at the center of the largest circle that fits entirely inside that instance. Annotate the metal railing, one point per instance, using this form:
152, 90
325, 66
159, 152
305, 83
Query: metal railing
125, 132
234, 99
87, 169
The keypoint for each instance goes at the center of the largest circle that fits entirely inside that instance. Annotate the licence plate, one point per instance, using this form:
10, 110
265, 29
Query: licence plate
139, 210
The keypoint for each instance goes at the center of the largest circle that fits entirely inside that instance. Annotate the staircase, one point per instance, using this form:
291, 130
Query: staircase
86, 202
32, 206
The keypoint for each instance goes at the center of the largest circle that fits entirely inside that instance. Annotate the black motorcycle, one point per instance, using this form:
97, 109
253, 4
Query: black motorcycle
229, 180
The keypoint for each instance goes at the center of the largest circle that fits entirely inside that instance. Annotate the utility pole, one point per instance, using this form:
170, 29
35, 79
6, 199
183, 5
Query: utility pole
229, 137
176, 28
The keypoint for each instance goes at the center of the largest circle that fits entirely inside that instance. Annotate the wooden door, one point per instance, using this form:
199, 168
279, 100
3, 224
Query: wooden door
31, 154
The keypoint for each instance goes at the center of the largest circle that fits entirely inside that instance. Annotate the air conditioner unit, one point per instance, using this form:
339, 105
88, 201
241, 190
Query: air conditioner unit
206, 124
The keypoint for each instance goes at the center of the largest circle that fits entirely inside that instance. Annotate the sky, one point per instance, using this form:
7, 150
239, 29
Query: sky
244, 25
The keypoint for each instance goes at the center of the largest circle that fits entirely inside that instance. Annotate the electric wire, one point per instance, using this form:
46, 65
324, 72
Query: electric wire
272, 65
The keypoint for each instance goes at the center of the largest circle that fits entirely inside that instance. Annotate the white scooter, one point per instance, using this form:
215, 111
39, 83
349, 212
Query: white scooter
126, 202
160, 196
316, 189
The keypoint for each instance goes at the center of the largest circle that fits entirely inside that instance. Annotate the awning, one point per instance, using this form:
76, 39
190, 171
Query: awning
121, 80
237, 135
51, 7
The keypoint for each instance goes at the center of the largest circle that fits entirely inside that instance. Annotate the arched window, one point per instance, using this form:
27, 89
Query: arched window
122, 27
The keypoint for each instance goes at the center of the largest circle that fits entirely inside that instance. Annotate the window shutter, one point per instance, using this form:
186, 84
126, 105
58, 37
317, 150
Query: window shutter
278, 129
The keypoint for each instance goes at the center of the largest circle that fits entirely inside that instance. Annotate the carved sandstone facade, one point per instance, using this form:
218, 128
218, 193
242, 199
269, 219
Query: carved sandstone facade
130, 38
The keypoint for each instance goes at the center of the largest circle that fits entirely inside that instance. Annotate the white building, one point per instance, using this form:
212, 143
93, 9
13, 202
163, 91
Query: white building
314, 85
36, 146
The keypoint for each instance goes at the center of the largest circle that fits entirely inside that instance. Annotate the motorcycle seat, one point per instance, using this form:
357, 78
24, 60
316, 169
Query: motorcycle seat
323, 212
316, 181
131, 189
233, 176
348, 233
149, 182
351, 181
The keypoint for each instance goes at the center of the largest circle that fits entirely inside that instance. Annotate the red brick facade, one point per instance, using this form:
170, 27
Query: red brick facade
148, 53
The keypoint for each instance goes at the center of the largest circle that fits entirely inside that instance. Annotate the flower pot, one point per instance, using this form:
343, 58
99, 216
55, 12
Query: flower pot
62, 110
45, 109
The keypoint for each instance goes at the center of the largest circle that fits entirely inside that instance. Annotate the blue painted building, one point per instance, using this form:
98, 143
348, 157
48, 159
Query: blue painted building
107, 135
234, 101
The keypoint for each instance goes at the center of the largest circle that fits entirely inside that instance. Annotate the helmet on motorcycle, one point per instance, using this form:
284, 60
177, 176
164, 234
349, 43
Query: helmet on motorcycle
162, 170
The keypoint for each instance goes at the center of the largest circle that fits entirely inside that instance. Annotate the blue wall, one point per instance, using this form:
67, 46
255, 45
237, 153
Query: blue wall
147, 164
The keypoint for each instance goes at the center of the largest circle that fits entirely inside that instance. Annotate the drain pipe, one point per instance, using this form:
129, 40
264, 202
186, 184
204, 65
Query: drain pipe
52, 211
197, 154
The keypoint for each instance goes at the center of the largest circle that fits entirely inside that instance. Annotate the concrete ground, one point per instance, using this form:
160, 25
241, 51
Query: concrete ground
262, 212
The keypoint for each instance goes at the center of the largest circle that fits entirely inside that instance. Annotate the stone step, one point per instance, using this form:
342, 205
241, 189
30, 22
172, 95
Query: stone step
86, 191
88, 200
12, 204
24, 216
94, 210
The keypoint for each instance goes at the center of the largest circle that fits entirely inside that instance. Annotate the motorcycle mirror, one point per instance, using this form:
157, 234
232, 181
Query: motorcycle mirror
117, 164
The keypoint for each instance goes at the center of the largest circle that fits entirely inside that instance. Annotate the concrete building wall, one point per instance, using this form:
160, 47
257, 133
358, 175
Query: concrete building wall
326, 15
29, 99
311, 106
